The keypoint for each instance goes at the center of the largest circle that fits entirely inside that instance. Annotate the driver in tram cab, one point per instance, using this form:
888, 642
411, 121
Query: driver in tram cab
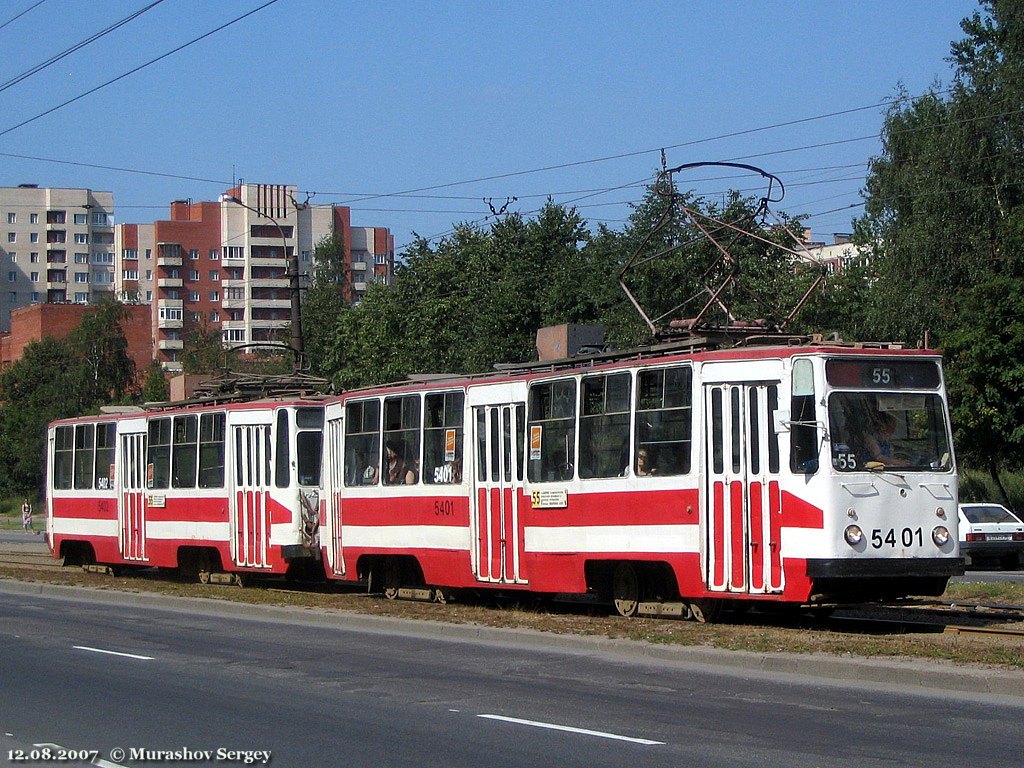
880, 445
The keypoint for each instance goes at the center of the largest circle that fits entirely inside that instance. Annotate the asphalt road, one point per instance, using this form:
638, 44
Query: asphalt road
329, 691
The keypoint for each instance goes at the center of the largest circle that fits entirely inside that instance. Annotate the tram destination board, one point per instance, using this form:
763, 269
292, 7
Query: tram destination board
883, 374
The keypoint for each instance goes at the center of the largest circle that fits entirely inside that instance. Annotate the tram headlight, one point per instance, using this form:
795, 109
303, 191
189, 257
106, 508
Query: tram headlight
940, 535
853, 535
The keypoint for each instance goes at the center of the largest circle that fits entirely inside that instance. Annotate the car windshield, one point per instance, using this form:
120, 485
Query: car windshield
988, 513
888, 431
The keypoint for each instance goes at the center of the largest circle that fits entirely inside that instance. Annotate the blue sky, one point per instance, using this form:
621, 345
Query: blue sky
360, 101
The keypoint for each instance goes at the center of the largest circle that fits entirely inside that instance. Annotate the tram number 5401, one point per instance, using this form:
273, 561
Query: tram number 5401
907, 537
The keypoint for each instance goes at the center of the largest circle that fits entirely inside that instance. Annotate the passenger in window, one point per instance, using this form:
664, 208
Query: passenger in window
644, 465
395, 455
412, 474
369, 473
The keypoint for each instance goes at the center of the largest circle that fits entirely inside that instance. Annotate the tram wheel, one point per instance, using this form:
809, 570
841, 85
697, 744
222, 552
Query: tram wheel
626, 590
204, 577
706, 610
391, 578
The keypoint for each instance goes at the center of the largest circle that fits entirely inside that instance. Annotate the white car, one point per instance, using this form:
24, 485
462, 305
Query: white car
989, 531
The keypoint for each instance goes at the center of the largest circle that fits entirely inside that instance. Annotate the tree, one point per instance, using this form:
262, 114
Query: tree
203, 350
101, 347
324, 301
155, 388
944, 218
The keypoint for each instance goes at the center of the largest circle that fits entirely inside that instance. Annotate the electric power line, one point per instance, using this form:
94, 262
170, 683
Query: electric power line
19, 15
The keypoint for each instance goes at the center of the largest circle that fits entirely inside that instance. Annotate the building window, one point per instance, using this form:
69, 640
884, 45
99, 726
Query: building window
81, 298
81, 237
130, 274
81, 258
14, 257
100, 219
149, 274
33, 237
305, 255
193, 295
12, 218
214, 275
81, 277
214, 317
34, 257
214, 254
35, 297
214, 295
33, 218
56, 217
34, 277
234, 335
193, 254
102, 258
14, 296
234, 293
234, 252
193, 274
130, 253
149, 253
12, 237
149, 295
12, 277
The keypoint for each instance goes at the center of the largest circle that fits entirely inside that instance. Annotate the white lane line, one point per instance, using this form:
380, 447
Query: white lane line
570, 729
113, 653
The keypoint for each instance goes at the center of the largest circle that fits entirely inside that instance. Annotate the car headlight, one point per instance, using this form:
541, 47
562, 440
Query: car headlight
940, 535
853, 535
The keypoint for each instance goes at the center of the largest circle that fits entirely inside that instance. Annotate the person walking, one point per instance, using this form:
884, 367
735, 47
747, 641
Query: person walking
26, 516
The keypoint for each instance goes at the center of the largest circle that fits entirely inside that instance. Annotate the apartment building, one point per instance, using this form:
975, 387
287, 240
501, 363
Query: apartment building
56, 246
228, 264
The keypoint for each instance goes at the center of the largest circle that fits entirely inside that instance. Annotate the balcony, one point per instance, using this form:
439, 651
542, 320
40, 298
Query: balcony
270, 303
170, 344
169, 282
168, 254
170, 323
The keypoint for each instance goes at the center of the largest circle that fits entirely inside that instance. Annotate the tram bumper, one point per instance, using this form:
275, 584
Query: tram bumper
861, 579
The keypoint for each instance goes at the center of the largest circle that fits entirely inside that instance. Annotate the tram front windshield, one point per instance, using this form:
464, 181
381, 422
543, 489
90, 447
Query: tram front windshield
875, 431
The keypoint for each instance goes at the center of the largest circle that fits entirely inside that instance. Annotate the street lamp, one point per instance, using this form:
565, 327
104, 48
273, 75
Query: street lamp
293, 273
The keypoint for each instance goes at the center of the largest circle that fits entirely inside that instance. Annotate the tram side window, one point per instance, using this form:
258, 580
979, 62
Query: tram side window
63, 457
664, 418
402, 438
552, 428
281, 457
84, 447
362, 442
185, 452
604, 426
442, 438
158, 454
104, 472
211, 450
803, 434
309, 441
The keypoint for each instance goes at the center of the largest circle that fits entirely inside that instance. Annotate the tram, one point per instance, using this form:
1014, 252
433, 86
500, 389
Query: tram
206, 489
667, 481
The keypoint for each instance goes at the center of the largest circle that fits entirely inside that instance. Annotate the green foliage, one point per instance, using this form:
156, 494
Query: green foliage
155, 387
203, 351
324, 301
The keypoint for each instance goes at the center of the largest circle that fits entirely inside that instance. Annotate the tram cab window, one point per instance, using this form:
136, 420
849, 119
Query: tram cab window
281, 453
401, 440
211, 450
803, 433
604, 425
362, 442
664, 421
84, 452
442, 438
309, 442
158, 453
552, 430
104, 473
63, 457
185, 452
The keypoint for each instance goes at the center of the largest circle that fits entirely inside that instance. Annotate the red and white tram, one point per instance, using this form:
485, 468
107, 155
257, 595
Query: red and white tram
207, 489
665, 481
668, 480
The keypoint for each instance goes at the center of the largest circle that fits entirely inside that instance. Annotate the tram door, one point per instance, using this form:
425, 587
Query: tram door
335, 483
742, 494
497, 538
131, 495
250, 516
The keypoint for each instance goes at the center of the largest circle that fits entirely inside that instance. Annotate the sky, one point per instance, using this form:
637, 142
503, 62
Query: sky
421, 115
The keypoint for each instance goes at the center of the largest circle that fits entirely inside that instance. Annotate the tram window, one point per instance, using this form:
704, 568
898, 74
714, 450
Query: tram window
309, 444
604, 425
84, 452
481, 444
755, 431
158, 454
803, 434
211, 450
281, 454
104, 471
520, 440
442, 438
664, 417
773, 436
402, 438
552, 426
362, 442
734, 397
185, 452
63, 457
717, 432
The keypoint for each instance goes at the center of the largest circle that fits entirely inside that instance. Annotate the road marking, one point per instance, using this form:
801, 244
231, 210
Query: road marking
570, 729
113, 653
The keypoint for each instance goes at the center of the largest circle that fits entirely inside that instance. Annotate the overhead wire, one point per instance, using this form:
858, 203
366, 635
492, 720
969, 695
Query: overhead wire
76, 47
19, 15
